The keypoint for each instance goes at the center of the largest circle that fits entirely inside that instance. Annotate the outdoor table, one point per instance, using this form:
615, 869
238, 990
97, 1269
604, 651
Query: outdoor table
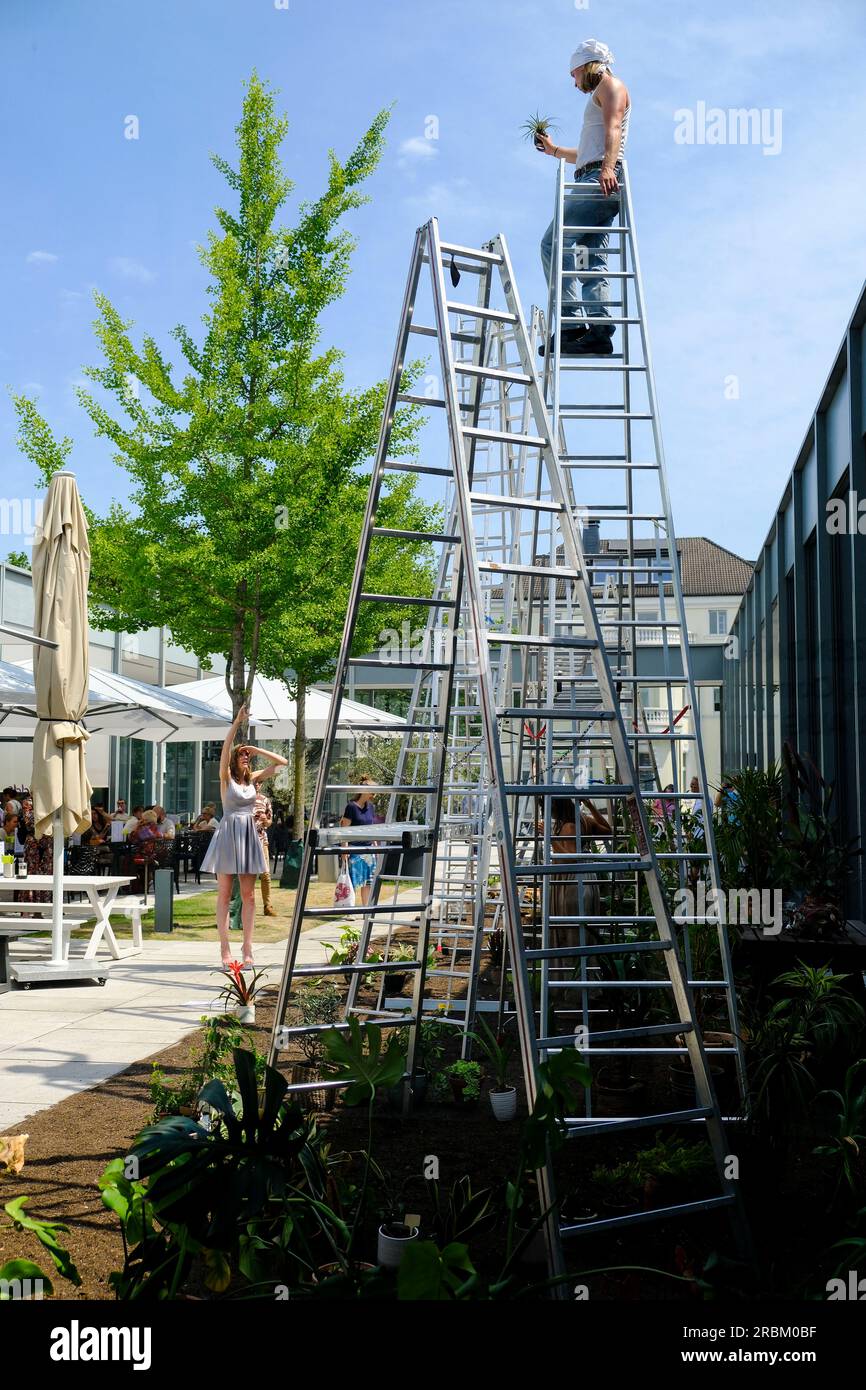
12, 933
101, 890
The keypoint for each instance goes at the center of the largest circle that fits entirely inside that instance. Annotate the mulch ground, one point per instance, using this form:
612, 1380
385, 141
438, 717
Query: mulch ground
71, 1143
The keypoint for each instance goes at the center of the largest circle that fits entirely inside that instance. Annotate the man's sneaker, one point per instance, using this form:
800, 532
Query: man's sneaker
592, 344
567, 337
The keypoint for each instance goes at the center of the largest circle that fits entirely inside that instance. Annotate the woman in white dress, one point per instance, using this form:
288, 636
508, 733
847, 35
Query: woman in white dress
235, 848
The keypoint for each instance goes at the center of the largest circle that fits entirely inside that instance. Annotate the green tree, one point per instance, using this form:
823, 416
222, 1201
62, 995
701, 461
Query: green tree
247, 484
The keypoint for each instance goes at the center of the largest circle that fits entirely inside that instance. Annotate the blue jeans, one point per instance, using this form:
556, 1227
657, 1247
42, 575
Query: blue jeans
583, 251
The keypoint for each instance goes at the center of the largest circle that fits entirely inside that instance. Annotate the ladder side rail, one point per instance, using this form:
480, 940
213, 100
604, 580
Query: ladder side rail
342, 669
709, 837
683, 1001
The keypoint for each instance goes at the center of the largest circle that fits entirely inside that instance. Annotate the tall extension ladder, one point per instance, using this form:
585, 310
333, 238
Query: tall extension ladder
606, 416
551, 561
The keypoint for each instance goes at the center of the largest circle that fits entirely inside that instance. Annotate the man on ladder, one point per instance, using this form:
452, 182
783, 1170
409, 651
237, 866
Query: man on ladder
597, 157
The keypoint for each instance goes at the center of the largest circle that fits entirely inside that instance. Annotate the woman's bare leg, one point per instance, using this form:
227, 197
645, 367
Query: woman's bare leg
224, 893
248, 911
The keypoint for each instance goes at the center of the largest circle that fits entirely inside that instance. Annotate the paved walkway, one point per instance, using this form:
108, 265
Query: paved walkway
57, 1040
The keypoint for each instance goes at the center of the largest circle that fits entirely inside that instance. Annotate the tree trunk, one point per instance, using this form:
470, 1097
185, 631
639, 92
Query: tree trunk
300, 757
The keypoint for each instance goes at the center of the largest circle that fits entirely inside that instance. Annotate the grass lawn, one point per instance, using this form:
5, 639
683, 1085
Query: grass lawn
195, 916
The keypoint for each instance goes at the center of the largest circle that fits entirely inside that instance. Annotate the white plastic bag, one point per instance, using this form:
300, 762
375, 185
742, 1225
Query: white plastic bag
344, 892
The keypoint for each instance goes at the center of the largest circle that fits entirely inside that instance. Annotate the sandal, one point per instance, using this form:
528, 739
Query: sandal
248, 964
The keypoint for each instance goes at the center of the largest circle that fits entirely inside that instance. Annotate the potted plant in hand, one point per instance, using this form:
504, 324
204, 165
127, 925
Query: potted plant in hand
535, 127
239, 993
497, 1049
465, 1081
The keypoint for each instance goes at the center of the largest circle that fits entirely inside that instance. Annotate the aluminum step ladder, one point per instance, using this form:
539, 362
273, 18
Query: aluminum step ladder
605, 412
550, 561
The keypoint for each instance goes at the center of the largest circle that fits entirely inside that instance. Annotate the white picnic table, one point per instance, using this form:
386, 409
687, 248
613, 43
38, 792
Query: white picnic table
101, 892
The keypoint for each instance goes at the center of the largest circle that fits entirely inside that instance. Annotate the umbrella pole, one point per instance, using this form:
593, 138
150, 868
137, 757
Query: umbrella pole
57, 956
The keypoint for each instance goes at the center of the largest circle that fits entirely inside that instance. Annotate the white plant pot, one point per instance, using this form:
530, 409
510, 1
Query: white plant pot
391, 1248
504, 1103
246, 1013
8, 870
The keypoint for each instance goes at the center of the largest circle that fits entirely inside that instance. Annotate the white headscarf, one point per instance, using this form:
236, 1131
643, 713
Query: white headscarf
591, 51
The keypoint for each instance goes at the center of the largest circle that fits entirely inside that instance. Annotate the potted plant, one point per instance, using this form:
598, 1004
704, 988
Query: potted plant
239, 992
465, 1081
497, 1049
395, 980
535, 127
319, 1004
345, 952
8, 865
620, 1187
393, 1239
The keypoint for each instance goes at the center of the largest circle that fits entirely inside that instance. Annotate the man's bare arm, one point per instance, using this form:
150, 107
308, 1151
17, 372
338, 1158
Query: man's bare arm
613, 100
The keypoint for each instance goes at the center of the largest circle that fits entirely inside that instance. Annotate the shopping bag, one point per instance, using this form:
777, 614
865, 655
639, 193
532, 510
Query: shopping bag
344, 892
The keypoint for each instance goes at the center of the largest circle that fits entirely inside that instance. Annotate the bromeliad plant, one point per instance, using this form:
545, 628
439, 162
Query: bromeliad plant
240, 987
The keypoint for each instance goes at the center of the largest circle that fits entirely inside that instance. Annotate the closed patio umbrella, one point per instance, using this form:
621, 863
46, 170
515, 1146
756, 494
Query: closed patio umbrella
60, 786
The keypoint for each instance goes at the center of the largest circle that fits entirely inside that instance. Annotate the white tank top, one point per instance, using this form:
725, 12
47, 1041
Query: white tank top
591, 147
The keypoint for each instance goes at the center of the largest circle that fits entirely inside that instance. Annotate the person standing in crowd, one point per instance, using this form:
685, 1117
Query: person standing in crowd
362, 866
235, 848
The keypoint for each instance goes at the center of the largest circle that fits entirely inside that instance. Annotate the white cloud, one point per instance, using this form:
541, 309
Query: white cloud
130, 269
417, 149
41, 258
444, 199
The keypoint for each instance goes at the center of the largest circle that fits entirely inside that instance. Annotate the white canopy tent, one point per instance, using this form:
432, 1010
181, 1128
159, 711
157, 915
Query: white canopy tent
115, 705
272, 704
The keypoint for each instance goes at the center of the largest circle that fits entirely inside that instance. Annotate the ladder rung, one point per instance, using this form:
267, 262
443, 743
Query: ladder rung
575, 793
410, 600
535, 441
375, 789
531, 571
399, 467
597, 863
494, 373
581, 1124
393, 664
583, 461
613, 1223
480, 311
392, 533
427, 332
578, 413
370, 910
570, 713
516, 639
490, 499
649, 1030
489, 257
613, 948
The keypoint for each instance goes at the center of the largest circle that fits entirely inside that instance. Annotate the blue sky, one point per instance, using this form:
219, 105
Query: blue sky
752, 262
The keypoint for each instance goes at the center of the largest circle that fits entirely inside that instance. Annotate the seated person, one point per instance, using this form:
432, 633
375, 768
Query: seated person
131, 825
147, 829
207, 820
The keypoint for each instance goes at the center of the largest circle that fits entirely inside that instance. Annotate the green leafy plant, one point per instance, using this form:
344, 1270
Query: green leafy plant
46, 1232
221, 1034
498, 1049
248, 1196
346, 950
819, 860
847, 1131
537, 125
465, 1080
319, 1003
789, 1038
